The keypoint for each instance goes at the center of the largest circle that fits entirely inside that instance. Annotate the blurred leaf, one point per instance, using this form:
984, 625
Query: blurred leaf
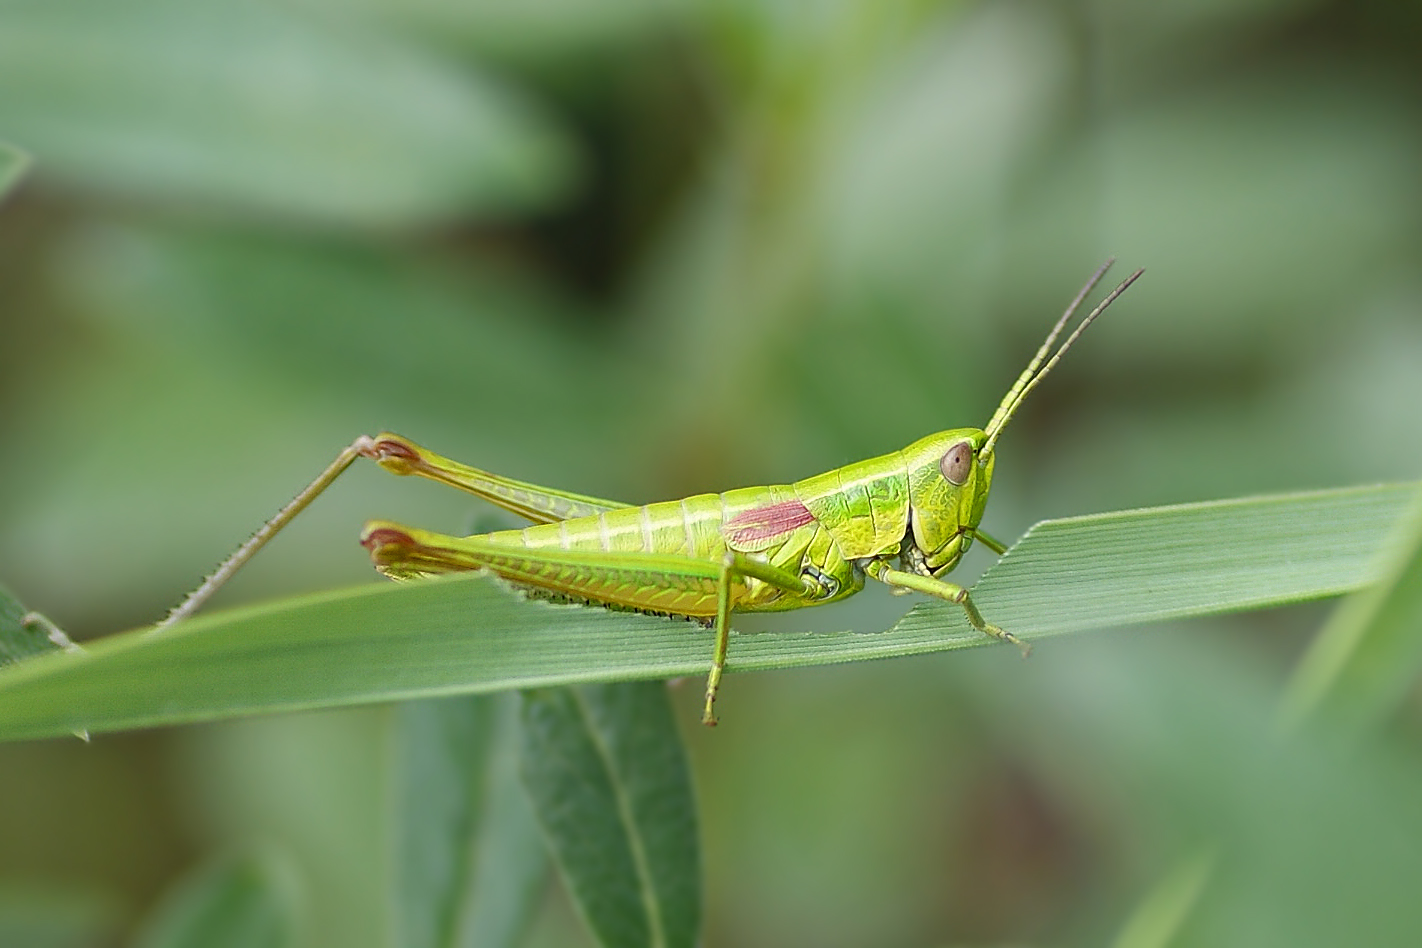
605, 768
13, 165
269, 353
42, 917
1294, 167
551, 30
1364, 661
239, 903
404, 333
469, 633
470, 862
1172, 741
442, 752
21, 636
317, 785
253, 106
1157, 920
1158, 34
512, 860
910, 209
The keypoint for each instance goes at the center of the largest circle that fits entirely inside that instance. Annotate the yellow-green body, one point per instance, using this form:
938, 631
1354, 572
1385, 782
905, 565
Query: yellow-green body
895, 507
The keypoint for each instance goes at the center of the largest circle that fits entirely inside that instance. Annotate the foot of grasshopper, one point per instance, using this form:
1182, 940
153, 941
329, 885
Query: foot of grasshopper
949, 592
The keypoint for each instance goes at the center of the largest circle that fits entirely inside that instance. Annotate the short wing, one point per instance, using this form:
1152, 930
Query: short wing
762, 527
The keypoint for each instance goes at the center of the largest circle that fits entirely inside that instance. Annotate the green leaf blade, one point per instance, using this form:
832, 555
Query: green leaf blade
609, 780
470, 634
1187, 560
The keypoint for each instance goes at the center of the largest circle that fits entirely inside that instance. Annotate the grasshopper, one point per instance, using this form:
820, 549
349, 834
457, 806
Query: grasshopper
904, 519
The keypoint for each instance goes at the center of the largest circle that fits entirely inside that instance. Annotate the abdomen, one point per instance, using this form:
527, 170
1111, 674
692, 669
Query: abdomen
689, 528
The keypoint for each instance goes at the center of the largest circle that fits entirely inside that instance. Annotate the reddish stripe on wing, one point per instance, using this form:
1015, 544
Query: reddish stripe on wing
764, 523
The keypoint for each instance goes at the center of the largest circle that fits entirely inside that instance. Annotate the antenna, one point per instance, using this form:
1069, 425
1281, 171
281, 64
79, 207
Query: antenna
1036, 369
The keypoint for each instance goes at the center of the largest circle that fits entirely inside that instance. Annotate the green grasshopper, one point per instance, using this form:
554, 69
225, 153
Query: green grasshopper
905, 519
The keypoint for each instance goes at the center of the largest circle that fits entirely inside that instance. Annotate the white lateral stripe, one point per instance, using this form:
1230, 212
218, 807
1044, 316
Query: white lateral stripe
688, 529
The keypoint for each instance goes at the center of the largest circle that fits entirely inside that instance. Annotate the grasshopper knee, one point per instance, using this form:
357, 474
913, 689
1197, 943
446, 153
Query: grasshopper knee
394, 453
386, 543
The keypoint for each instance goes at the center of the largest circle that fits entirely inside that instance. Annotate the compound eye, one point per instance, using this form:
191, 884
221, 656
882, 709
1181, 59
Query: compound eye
957, 464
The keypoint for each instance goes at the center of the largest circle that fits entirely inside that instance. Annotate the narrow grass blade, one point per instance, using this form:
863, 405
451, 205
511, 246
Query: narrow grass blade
470, 634
609, 780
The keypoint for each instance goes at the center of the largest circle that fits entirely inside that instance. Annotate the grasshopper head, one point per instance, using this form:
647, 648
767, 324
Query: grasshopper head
948, 489
950, 472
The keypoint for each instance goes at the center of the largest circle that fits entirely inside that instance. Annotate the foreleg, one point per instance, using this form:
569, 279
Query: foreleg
949, 592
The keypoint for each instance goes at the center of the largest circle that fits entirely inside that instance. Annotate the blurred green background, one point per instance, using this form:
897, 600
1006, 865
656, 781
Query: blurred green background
642, 250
